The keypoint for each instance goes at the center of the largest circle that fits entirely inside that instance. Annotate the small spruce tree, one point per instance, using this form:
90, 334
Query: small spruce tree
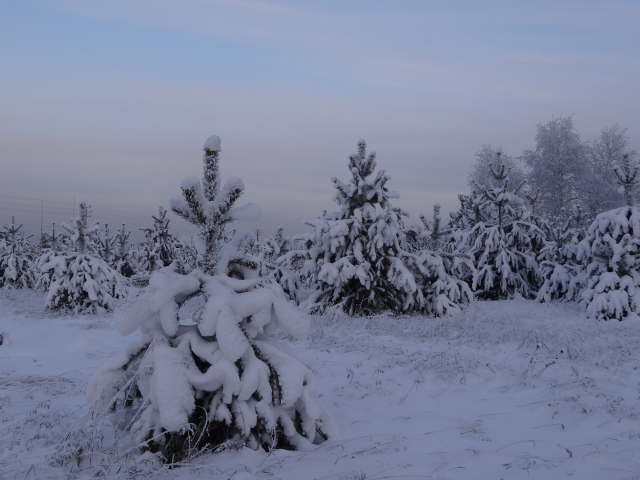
81, 235
16, 267
611, 255
106, 245
186, 258
123, 262
272, 255
502, 245
160, 247
436, 236
80, 281
55, 245
562, 273
357, 259
199, 381
209, 206
627, 175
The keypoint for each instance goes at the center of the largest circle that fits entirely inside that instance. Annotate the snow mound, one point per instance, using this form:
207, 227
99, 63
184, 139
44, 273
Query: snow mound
212, 144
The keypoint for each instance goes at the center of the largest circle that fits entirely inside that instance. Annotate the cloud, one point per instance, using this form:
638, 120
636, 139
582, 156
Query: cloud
113, 99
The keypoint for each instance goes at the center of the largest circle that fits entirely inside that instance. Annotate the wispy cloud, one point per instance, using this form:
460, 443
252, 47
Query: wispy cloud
121, 94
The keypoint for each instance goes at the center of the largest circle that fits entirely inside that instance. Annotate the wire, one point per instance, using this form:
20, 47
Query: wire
55, 211
36, 199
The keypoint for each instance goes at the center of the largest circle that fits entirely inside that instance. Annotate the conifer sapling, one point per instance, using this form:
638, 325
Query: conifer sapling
16, 268
196, 382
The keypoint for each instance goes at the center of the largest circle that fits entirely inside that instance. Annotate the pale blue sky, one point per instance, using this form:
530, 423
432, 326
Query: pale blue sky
110, 101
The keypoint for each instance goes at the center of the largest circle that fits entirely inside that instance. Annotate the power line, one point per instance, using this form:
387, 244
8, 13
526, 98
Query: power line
30, 210
55, 211
35, 199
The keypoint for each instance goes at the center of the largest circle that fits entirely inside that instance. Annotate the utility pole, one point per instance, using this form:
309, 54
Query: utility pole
41, 216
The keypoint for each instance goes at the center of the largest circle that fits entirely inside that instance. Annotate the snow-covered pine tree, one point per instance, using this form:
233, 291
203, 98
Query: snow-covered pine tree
357, 259
81, 235
123, 262
439, 289
55, 245
611, 254
501, 244
271, 254
194, 386
481, 170
148, 260
186, 255
45, 241
562, 273
348, 267
16, 267
106, 245
80, 281
435, 234
532, 198
209, 206
627, 174
268, 248
469, 214
160, 247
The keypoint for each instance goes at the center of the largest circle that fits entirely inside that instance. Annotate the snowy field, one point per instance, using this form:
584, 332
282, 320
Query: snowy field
506, 390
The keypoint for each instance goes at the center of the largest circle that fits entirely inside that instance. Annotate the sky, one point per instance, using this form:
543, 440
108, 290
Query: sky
110, 102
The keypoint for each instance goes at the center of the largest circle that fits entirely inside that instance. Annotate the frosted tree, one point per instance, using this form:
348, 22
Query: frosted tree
601, 188
358, 261
558, 166
436, 237
160, 248
611, 255
562, 274
348, 267
196, 382
267, 249
81, 235
439, 288
81, 281
481, 171
435, 234
471, 211
627, 175
15, 261
186, 255
501, 244
105, 245
271, 254
612, 259
209, 206
123, 261
55, 245
48, 240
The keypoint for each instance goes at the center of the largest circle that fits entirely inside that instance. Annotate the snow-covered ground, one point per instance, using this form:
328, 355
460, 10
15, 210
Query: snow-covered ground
505, 390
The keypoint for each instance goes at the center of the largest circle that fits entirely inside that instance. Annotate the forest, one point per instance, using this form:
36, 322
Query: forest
232, 339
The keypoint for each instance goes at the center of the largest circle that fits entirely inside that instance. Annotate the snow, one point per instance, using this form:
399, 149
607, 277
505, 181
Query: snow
157, 302
212, 143
170, 389
512, 389
247, 213
191, 183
